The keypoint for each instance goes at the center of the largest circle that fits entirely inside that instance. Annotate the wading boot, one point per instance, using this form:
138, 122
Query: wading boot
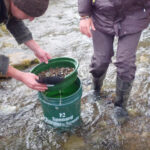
97, 84
123, 89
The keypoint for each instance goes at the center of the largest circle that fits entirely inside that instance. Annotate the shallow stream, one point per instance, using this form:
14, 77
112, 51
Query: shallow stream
21, 116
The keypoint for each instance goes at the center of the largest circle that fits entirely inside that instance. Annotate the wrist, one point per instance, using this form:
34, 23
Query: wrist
84, 17
32, 45
15, 73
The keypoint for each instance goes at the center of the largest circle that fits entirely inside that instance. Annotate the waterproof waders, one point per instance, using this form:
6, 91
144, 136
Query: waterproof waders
98, 83
123, 89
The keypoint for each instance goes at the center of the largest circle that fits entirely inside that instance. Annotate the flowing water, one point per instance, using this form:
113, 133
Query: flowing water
21, 116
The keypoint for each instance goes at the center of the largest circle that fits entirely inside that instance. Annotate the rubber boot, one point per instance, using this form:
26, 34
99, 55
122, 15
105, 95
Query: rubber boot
123, 89
98, 83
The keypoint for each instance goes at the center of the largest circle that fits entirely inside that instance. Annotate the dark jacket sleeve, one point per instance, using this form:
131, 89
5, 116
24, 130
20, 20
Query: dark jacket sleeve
85, 7
18, 29
4, 61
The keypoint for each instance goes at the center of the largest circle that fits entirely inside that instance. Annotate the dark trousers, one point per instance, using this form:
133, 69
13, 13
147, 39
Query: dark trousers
125, 55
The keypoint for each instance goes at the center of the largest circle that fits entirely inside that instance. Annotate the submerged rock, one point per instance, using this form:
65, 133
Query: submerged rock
133, 112
74, 143
4, 29
7, 109
21, 60
144, 59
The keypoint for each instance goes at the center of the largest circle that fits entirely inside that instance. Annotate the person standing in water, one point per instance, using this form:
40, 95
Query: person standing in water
103, 20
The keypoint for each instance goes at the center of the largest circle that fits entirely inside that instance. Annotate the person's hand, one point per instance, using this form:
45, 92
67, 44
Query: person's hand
30, 80
42, 55
86, 25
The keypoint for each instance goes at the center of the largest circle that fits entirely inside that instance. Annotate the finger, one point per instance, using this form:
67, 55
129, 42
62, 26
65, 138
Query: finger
42, 60
41, 87
85, 31
92, 26
46, 60
82, 29
88, 32
36, 77
48, 56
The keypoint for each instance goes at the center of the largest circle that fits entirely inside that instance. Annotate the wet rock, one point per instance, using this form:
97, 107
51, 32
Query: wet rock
130, 135
147, 113
145, 135
144, 59
7, 109
99, 136
74, 143
136, 141
88, 88
133, 112
4, 29
144, 44
6, 45
95, 137
112, 97
21, 60
103, 124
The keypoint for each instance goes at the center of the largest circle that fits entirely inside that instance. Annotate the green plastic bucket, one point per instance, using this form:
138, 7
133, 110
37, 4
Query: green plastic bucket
62, 111
59, 62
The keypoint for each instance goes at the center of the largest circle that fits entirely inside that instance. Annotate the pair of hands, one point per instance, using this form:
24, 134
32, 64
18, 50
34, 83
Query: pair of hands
30, 79
86, 25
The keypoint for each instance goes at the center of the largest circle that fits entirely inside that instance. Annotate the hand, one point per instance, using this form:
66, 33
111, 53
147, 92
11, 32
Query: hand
42, 55
27, 78
86, 25
30, 80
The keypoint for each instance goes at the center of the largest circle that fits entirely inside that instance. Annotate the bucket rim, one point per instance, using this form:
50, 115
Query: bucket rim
75, 62
80, 88
62, 104
57, 62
